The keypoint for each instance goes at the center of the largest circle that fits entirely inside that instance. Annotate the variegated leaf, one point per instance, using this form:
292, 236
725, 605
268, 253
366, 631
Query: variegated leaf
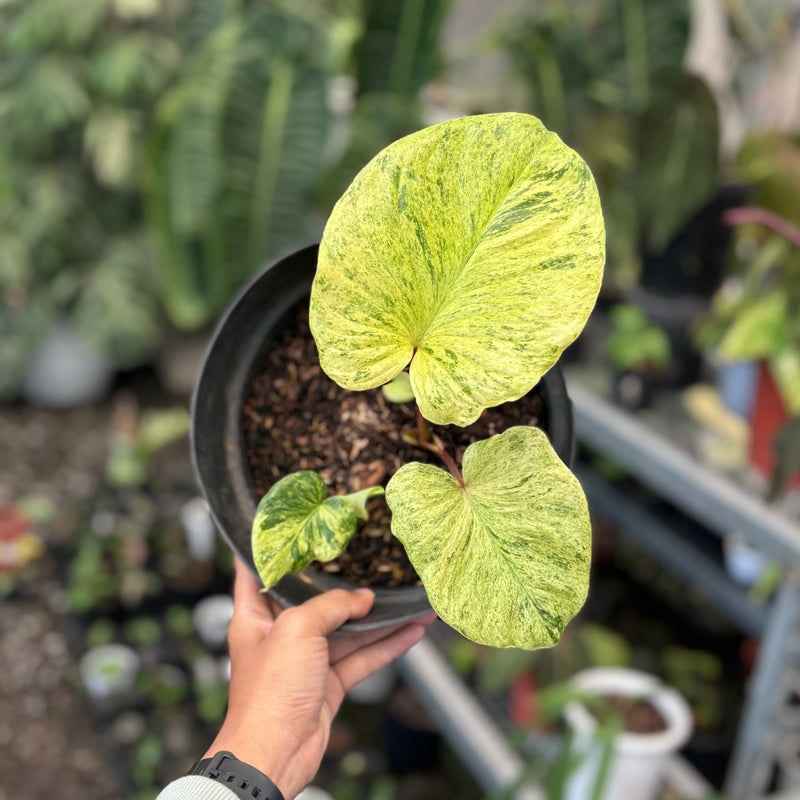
472, 250
504, 559
295, 524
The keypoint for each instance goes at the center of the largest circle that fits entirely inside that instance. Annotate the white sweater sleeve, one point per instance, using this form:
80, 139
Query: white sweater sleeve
196, 787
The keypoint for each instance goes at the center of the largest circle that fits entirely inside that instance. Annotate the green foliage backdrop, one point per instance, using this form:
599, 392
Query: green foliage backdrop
155, 154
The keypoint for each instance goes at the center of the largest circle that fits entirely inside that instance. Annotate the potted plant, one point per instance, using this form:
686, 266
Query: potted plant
757, 323
460, 263
640, 353
753, 321
109, 674
655, 721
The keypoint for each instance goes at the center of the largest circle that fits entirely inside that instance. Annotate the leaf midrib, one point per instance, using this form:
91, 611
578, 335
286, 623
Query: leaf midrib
446, 297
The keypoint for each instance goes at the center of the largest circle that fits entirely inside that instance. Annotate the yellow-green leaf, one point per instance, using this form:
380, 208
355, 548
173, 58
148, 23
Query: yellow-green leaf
472, 249
358, 500
758, 329
785, 367
505, 559
295, 525
399, 390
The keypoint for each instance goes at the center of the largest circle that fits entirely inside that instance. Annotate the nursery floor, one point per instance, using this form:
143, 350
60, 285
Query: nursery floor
45, 735
47, 730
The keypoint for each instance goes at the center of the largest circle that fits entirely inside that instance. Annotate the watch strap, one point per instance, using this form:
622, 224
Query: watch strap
245, 780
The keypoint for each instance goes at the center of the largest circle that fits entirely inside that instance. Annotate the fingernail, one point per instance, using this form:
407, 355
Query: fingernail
365, 592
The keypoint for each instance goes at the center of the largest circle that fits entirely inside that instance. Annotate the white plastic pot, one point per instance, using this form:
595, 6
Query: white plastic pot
314, 793
638, 759
211, 617
375, 688
66, 372
109, 673
743, 562
201, 537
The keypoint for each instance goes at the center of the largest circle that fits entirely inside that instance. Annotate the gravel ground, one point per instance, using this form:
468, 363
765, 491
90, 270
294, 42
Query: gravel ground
45, 731
48, 733
45, 734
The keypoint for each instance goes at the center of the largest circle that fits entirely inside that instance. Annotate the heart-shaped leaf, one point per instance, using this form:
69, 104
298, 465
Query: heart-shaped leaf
505, 559
295, 524
472, 249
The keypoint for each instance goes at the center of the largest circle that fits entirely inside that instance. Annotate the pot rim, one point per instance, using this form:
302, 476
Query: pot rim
631, 682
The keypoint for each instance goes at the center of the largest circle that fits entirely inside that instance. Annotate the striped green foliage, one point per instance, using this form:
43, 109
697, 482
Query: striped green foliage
473, 251
295, 524
505, 558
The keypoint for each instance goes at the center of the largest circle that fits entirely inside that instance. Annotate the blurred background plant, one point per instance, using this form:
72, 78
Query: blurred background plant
77, 84
756, 315
378, 97
234, 152
609, 78
156, 154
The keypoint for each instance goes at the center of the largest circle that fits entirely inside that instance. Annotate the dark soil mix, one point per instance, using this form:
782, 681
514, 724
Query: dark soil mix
296, 418
638, 715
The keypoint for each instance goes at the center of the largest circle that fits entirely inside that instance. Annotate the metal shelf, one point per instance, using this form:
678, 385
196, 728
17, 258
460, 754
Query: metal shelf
722, 506
461, 718
716, 501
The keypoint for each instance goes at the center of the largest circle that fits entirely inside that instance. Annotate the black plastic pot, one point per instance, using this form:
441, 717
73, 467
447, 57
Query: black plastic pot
237, 350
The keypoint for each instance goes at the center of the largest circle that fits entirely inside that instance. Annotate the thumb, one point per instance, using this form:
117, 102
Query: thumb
323, 614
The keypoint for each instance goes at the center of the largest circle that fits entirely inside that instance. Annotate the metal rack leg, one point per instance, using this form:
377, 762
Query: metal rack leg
753, 754
471, 733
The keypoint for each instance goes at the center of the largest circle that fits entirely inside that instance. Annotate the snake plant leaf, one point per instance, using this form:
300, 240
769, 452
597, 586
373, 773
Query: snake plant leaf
504, 559
472, 249
295, 524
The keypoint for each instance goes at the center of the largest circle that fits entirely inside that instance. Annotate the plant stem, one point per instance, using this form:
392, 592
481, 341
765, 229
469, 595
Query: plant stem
448, 460
430, 441
423, 429
765, 217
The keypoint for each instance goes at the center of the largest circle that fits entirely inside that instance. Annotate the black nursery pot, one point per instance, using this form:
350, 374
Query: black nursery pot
237, 350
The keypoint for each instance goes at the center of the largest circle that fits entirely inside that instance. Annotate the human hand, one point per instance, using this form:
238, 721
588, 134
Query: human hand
290, 673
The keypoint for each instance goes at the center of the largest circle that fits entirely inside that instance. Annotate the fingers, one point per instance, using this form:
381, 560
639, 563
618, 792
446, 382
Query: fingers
362, 663
252, 617
343, 644
323, 614
246, 587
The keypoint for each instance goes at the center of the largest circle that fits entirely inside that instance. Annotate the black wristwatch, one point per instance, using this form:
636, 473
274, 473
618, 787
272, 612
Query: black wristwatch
246, 781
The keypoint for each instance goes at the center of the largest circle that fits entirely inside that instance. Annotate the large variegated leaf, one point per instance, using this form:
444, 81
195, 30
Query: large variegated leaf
295, 525
505, 559
473, 250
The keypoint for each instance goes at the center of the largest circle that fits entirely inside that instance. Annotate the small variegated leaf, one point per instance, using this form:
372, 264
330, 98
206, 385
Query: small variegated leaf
398, 390
504, 559
472, 250
295, 524
358, 500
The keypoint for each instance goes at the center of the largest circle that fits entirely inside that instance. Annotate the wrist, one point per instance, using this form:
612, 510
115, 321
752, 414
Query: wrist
237, 776
274, 761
